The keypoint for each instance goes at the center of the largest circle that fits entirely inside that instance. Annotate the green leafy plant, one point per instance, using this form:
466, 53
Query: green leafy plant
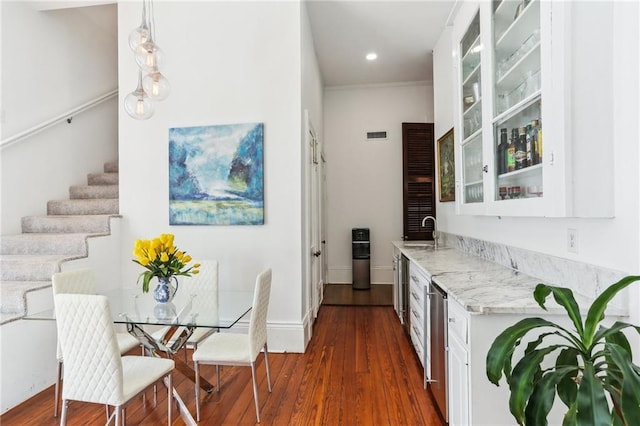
593, 373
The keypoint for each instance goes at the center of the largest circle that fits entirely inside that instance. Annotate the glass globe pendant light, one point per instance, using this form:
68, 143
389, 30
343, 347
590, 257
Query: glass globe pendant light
140, 35
156, 85
148, 55
137, 103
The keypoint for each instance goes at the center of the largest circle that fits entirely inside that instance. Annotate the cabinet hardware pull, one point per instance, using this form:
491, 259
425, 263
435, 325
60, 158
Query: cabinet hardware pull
485, 168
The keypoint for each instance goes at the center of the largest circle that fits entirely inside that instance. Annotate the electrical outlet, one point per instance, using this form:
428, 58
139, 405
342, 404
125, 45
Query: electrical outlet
572, 240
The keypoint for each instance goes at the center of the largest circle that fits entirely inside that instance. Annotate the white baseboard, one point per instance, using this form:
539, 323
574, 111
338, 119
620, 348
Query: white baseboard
281, 336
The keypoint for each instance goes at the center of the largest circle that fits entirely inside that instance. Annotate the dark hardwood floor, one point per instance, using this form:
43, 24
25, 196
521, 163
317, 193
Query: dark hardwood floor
344, 294
359, 369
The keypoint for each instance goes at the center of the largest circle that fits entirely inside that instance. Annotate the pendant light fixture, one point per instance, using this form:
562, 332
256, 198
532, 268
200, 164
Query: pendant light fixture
141, 34
149, 57
156, 85
137, 103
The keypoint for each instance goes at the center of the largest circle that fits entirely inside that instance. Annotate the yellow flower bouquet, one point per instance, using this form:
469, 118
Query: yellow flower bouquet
161, 259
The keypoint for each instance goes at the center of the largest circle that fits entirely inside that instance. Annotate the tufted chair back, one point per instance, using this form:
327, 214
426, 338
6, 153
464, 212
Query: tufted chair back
258, 321
93, 367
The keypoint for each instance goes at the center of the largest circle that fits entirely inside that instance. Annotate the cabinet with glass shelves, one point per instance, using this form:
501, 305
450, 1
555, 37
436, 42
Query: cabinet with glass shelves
471, 111
519, 75
517, 109
501, 152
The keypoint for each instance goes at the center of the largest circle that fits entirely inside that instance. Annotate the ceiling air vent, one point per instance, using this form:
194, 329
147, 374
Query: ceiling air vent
373, 136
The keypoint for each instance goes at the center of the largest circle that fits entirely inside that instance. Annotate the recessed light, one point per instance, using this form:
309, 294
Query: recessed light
372, 56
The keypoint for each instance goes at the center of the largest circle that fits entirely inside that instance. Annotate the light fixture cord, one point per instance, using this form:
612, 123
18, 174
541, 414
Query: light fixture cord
144, 15
152, 21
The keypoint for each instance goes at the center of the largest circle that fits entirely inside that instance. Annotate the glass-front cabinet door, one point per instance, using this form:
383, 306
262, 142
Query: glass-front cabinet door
470, 49
514, 83
517, 100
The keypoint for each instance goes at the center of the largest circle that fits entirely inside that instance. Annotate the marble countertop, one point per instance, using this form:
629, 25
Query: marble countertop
481, 286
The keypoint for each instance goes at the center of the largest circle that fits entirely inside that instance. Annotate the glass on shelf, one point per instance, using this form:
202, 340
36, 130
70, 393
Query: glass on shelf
530, 85
472, 174
473, 193
471, 36
517, 54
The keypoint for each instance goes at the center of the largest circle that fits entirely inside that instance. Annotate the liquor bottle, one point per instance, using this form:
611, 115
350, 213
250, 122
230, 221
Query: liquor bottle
521, 149
511, 151
502, 152
533, 134
529, 146
538, 129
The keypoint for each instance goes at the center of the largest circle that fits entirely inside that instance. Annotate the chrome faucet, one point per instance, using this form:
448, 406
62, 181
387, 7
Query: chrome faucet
435, 229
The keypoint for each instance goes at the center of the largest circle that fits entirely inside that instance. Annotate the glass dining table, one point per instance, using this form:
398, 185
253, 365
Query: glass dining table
189, 309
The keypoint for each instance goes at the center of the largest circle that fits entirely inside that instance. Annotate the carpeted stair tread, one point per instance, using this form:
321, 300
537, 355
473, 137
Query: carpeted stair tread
94, 224
13, 294
47, 243
93, 191
75, 207
102, 178
16, 267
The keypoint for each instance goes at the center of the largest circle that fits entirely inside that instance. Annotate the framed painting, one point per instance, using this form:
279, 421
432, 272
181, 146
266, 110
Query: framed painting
216, 175
446, 167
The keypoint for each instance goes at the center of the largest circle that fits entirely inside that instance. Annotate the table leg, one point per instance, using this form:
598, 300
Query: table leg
191, 375
159, 348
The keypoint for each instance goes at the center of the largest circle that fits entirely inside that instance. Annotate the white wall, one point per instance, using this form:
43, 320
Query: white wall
52, 62
228, 62
364, 178
312, 103
611, 243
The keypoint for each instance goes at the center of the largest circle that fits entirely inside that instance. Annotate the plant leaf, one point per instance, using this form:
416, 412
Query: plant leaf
567, 387
613, 332
543, 395
570, 418
563, 297
596, 311
523, 380
630, 399
502, 347
592, 405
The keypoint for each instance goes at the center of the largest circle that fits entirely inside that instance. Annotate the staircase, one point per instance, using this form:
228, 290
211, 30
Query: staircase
28, 260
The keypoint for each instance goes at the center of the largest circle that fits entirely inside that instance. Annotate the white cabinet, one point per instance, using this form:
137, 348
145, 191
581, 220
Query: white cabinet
458, 365
517, 79
418, 282
473, 399
458, 383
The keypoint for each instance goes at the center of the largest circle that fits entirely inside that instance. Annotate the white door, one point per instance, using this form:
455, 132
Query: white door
315, 222
313, 287
323, 224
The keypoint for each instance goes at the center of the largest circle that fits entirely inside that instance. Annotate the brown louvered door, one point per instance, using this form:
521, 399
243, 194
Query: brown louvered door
418, 180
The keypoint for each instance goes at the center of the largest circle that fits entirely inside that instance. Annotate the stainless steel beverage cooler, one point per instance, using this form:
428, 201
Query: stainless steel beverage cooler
361, 258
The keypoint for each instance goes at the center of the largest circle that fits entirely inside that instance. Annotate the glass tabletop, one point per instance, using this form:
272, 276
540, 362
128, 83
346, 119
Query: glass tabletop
220, 309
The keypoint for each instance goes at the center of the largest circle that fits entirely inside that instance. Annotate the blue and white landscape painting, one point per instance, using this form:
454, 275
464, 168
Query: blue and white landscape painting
216, 175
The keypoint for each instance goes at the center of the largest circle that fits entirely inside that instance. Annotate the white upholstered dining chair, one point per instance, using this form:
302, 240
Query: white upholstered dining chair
81, 281
206, 281
94, 370
239, 349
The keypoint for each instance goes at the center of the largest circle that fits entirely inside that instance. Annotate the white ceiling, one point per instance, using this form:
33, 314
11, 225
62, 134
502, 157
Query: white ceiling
402, 33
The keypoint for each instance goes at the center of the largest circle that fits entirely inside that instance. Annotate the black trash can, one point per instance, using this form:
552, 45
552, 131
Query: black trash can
361, 258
